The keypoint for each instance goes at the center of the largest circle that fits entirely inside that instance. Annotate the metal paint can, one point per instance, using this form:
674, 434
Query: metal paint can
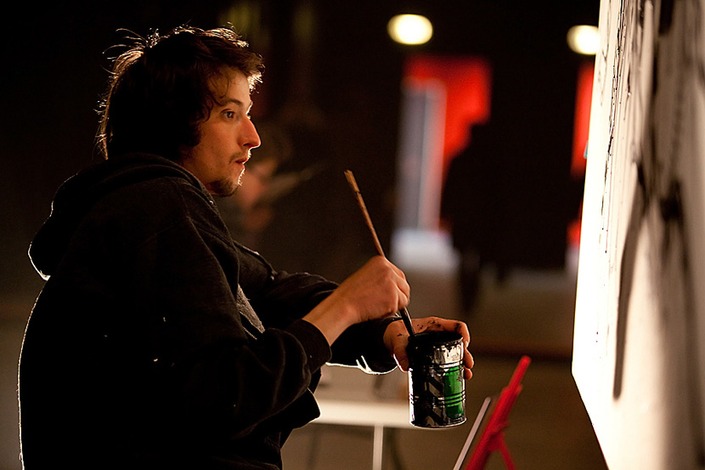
436, 379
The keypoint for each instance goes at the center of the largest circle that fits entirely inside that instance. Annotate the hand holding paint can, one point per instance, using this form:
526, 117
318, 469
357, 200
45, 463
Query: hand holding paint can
436, 371
436, 381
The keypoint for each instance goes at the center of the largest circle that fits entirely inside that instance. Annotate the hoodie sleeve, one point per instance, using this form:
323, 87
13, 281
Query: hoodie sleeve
295, 294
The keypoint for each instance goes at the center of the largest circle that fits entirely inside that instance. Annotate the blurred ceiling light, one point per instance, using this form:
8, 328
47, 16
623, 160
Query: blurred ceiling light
410, 29
584, 39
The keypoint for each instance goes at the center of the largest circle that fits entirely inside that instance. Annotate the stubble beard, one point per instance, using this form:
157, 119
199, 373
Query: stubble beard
226, 187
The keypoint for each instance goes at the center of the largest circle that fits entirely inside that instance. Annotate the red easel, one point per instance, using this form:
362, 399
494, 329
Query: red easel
492, 437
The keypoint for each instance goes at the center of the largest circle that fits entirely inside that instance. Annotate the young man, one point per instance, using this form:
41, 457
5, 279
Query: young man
158, 341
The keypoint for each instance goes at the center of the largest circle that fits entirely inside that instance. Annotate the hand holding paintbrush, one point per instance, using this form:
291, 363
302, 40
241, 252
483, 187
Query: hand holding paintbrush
404, 313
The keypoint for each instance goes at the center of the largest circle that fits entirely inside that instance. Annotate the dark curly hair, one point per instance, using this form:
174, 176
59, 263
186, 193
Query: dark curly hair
160, 88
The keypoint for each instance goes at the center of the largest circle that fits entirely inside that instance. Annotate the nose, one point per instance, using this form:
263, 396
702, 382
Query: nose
250, 135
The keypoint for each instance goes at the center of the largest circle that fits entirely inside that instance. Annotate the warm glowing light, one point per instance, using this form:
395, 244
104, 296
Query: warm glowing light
584, 39
410, 29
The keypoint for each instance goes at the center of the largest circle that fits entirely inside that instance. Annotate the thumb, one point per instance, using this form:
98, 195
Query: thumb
402, 358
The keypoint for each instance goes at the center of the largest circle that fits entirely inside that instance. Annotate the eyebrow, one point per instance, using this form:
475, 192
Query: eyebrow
238, 103
234, 101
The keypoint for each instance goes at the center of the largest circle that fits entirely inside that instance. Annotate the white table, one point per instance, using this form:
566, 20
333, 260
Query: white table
374, 413
349, 397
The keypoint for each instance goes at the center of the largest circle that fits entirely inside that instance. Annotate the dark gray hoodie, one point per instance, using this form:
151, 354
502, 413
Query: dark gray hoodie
144, 350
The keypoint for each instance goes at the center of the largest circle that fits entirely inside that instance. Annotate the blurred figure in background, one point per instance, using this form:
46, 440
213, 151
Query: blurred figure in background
465, 214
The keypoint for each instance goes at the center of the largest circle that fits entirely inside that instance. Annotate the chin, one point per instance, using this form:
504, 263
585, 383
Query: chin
223, 188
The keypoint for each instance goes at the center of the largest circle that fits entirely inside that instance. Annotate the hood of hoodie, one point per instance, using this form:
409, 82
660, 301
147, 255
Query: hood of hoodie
77, 195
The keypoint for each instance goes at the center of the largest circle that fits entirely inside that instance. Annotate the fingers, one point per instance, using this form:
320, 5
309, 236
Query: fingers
443, 324
396, 339
375, 290
389, 273
460, 327
468, 363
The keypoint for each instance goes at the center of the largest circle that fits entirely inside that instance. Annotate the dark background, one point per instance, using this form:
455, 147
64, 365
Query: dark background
339, 82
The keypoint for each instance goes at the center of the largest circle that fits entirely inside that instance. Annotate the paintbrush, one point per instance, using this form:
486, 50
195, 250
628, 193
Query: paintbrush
403, 313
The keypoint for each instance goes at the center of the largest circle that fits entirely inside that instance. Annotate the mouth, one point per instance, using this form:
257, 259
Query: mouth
244, 159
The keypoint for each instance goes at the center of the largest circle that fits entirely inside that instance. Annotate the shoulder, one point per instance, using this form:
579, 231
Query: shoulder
150, 192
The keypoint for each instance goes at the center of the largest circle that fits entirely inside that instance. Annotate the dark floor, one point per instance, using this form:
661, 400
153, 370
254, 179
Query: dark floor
531, 313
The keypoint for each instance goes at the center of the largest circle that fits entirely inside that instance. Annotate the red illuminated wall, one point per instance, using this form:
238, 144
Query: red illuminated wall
583, 101
468, 84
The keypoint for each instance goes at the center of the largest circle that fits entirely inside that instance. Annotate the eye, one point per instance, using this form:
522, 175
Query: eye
229, 114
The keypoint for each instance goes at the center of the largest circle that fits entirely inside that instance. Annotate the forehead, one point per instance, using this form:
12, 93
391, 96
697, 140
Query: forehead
231, 83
